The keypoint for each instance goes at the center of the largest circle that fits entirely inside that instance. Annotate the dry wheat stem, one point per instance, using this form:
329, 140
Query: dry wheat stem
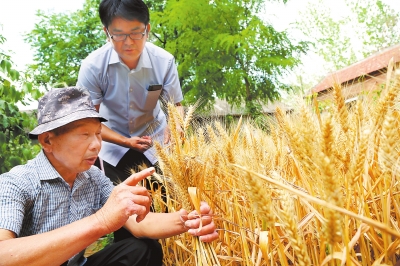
366, 220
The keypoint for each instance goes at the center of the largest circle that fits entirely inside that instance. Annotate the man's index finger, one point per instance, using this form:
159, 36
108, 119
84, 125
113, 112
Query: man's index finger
134, 179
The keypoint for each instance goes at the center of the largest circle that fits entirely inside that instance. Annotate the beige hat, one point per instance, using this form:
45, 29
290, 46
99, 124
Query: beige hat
59, 107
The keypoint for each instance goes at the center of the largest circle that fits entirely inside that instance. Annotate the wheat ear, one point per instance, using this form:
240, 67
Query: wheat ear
291, 229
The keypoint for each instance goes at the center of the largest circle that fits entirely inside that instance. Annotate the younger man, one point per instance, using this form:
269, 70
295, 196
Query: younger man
126, 77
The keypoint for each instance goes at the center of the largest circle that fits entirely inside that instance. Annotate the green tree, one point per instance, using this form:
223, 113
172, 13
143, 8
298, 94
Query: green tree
363, 28
15, 146
224, 50
378, 24
61, 41
327, 34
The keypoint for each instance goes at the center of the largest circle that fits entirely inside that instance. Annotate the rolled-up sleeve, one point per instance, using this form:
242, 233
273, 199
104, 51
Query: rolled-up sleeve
172, 89
87, 79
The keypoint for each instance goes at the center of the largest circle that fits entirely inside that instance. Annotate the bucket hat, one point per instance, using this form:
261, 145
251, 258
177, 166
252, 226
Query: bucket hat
59, 107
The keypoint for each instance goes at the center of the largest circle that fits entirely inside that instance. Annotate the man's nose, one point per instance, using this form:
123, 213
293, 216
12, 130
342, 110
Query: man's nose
96, 143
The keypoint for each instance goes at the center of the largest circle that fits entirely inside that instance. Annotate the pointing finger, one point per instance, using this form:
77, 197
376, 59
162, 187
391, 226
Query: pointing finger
134, 179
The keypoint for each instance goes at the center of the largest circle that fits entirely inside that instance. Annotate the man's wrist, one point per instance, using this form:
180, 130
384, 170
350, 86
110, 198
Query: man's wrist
101, 222
183, 217
125, 142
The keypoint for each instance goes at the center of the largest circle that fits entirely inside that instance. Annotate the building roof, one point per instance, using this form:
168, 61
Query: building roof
373, 63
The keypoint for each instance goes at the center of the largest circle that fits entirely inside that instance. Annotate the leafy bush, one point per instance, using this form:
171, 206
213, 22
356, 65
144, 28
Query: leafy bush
15, 145
60, 42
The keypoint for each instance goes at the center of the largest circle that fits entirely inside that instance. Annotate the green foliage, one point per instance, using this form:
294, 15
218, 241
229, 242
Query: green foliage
367, 27
379, 21
327, 34
102, 243
15, 146
223, 49
254, 109
61, 41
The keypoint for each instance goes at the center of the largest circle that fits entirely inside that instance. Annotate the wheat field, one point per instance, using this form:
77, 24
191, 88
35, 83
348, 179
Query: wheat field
310, 188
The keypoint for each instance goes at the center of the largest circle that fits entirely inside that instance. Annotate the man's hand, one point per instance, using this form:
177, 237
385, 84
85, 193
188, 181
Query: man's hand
126, 200
140, 144
167, 135
207, 232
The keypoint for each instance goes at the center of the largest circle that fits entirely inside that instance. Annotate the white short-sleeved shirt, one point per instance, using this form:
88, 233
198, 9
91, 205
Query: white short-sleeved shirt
127, 103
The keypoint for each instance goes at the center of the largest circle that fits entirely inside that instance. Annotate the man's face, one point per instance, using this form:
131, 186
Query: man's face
129, 50
74, 148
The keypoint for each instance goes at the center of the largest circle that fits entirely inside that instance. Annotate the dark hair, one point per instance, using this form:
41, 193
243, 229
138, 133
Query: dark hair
127, 9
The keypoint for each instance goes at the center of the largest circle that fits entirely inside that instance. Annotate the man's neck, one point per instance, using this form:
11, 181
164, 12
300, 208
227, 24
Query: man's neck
131, 64
65, 173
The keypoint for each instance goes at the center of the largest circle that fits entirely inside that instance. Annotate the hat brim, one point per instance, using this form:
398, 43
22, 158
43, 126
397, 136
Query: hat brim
63, 121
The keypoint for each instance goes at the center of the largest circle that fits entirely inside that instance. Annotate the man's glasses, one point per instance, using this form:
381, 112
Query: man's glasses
122, 37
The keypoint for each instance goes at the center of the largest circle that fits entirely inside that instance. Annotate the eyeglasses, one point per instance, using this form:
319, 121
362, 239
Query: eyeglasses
122, 37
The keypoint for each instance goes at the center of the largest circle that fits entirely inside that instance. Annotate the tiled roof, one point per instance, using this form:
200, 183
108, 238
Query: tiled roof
373, 63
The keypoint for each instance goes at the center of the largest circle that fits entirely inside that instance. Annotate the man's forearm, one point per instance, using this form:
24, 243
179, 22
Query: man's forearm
53, 247
151, 227
111, 136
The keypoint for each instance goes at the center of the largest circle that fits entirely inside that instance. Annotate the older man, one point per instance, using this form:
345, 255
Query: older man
57, 204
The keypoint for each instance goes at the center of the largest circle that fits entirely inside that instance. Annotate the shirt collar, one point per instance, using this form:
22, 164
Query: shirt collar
114, 58
145, 59
46, 170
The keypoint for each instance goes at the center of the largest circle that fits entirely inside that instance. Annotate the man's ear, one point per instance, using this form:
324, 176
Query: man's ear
105, 32
148, 29
45, 141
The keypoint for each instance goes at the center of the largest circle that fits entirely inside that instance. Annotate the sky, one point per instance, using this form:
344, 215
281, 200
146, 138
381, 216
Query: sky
18, 17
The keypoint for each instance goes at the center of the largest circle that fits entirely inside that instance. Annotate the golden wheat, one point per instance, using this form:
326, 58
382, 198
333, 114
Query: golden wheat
316, 188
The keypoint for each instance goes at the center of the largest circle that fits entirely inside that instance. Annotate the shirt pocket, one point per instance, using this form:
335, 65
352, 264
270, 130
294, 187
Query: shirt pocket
152, 97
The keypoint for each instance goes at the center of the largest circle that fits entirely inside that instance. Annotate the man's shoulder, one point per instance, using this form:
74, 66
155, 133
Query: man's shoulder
99, 55
156, 51
24, 176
